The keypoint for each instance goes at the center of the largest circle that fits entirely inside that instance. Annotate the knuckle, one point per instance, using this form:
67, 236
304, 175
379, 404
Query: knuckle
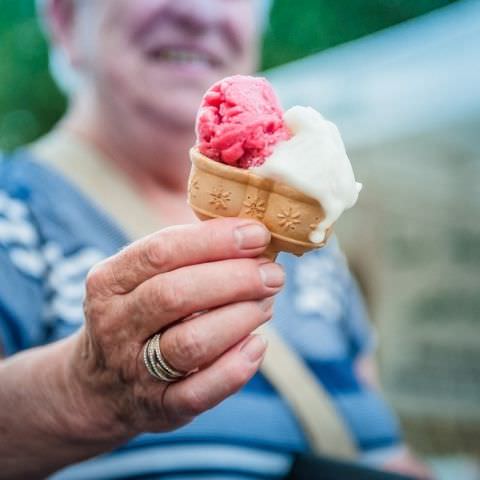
213, 234
157, 250
168, 296
103, 314
90, 310
193, 343
264, 307
195, 403
97, 318
95, 279
190, 346
257, 277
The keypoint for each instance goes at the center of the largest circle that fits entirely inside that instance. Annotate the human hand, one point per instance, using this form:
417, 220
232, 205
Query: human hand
406, 463
154, 285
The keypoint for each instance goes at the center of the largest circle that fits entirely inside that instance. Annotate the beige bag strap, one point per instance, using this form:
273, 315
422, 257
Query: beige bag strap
99, 180
311, 404
283, 367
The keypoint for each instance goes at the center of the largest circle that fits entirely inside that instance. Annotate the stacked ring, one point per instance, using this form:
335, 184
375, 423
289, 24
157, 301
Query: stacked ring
156, 364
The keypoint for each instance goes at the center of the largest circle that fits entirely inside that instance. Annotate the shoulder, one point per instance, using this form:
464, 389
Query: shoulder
24, 177
60, 211
26, 194
50, 236
26, 181
17, 166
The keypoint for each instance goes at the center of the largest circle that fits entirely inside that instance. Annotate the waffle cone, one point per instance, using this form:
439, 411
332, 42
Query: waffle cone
219, 190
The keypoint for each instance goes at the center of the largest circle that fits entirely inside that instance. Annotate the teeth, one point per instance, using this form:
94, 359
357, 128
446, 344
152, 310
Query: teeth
182, 56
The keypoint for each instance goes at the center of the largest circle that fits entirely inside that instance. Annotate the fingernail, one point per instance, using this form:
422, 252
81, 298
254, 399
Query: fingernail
272, 275
266, 304
251, 236
254, 348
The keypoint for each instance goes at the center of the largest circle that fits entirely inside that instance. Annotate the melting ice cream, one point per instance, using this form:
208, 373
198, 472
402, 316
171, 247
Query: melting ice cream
315, 162
241, 123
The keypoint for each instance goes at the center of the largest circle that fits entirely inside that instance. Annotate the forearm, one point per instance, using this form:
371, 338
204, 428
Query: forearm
45, 421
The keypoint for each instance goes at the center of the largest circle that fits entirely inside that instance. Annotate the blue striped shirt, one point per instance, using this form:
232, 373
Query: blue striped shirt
46, 249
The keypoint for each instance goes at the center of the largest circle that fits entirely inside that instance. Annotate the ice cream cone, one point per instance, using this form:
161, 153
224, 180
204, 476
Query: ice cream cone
219, 190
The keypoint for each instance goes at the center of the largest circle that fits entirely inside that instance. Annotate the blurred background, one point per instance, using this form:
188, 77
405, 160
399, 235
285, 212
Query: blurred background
30, 102
401, 78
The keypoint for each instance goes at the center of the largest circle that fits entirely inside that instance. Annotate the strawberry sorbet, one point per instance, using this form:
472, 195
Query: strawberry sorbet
240, 121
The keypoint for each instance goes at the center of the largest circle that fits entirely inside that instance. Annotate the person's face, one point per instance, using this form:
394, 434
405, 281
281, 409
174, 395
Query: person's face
154, 59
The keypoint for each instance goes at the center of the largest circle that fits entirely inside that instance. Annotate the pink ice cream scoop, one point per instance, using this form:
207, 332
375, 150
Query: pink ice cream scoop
240, 121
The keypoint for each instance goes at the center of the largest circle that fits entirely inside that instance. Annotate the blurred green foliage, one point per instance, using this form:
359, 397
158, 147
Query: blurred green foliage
303, 27
30, 103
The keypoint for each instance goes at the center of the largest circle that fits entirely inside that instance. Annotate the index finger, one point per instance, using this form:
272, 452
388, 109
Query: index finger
177, 247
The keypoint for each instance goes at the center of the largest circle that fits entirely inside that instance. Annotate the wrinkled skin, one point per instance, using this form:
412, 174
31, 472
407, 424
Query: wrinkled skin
154, 284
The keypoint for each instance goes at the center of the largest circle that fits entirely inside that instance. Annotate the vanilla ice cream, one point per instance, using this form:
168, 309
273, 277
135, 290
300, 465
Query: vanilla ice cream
314, 161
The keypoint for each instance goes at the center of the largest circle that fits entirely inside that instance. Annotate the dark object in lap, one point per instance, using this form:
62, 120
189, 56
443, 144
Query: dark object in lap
309, 467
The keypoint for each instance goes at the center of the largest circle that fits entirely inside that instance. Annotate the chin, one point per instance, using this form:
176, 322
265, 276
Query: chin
179, 107
170, 114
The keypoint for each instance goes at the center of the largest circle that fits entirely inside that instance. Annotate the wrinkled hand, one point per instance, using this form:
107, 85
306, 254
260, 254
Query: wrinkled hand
154, 285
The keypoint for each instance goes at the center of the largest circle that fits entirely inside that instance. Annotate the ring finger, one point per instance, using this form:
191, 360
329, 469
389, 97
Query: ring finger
201, 340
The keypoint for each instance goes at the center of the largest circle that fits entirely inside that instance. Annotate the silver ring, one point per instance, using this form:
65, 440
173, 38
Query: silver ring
156, 364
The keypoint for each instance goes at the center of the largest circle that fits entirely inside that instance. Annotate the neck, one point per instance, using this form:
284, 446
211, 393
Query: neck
157, 164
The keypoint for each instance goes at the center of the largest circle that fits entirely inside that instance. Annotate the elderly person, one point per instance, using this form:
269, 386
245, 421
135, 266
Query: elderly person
76, 382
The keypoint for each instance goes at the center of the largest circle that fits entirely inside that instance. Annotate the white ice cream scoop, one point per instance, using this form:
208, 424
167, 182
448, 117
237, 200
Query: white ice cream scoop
314, 161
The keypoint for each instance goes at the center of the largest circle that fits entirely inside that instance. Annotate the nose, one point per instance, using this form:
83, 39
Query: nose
196, 15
